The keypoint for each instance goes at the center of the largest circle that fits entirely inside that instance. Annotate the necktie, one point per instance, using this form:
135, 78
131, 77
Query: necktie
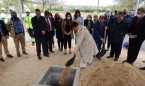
138, 21
48, 24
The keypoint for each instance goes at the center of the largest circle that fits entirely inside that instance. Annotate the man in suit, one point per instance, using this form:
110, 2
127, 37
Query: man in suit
4, 41
136, 36
127, 17
117, 34
1, 57
98, 34
40, 28
108, 16
50, 30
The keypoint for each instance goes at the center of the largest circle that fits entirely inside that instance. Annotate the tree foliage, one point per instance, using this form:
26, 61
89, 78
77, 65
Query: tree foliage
130, 4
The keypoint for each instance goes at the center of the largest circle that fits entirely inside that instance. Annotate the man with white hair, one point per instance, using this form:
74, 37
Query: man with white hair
108, 16
3, 15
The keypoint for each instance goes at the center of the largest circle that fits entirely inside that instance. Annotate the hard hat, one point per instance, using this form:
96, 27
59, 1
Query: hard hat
27, 10
3, 9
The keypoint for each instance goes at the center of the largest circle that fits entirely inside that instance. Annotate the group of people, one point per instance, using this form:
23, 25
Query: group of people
90, 34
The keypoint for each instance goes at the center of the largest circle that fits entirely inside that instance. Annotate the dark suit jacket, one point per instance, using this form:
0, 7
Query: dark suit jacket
118, 31
108, 22
139, 29
98, 31
57, 26
39, 25
86, 23
4, 29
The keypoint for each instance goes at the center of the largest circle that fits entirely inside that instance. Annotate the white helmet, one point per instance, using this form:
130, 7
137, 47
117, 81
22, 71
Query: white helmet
2, 9
27, 10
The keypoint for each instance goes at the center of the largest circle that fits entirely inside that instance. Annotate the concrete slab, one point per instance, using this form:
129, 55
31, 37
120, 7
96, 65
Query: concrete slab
52, 75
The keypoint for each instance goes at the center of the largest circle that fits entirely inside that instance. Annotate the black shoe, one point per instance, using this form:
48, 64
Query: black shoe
143, 68
9, 56
2, 59
109, 57
19, 55
39, 58
52, 51
124, 61
46, 55
33, 43
98, 56
143, 61
25, 53
116, 59
107, 49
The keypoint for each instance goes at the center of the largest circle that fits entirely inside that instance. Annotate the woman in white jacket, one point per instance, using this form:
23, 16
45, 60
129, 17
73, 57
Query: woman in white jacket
85, 44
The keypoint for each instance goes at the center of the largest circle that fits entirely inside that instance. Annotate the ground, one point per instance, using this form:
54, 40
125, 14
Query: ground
24, 71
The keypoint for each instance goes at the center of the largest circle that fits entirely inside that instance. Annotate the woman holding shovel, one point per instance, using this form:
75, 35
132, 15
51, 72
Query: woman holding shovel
85, 44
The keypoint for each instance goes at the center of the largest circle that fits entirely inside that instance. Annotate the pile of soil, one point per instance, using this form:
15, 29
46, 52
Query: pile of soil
117, 75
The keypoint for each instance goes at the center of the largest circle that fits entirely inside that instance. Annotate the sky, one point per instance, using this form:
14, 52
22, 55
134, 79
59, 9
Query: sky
89, 2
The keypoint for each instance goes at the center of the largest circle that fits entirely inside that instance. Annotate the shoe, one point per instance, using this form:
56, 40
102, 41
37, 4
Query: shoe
82, 67
109, 57
9, 56
46, 55
143, 61
107, 49
116, 59
52, 51
98, 56
94, 56
25, 53
124, 61
70, 52
2, 59
33, 44
143, 68
19, 55
39, 58
61, 50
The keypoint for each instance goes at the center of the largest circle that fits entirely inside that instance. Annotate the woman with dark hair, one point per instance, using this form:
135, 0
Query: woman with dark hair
66, 28
85, 44
89, 23
59, 33
78, 18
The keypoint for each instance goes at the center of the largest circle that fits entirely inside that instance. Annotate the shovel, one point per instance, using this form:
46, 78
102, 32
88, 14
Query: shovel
103, 51
64, 78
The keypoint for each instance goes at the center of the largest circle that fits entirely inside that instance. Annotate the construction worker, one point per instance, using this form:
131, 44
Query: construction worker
3, 15
29, 27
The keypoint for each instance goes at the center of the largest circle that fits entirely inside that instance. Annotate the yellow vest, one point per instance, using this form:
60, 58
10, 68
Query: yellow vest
28, 22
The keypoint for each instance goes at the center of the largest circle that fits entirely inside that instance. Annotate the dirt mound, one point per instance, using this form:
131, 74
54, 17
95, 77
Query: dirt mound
117, 75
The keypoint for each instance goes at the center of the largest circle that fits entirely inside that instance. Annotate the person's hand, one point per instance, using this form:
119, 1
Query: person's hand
103, 40
132, 36
43, 32
67, 33
106, 28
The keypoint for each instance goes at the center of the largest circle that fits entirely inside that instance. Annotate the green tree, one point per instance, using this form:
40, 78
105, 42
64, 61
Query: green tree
23, 2
130, 4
